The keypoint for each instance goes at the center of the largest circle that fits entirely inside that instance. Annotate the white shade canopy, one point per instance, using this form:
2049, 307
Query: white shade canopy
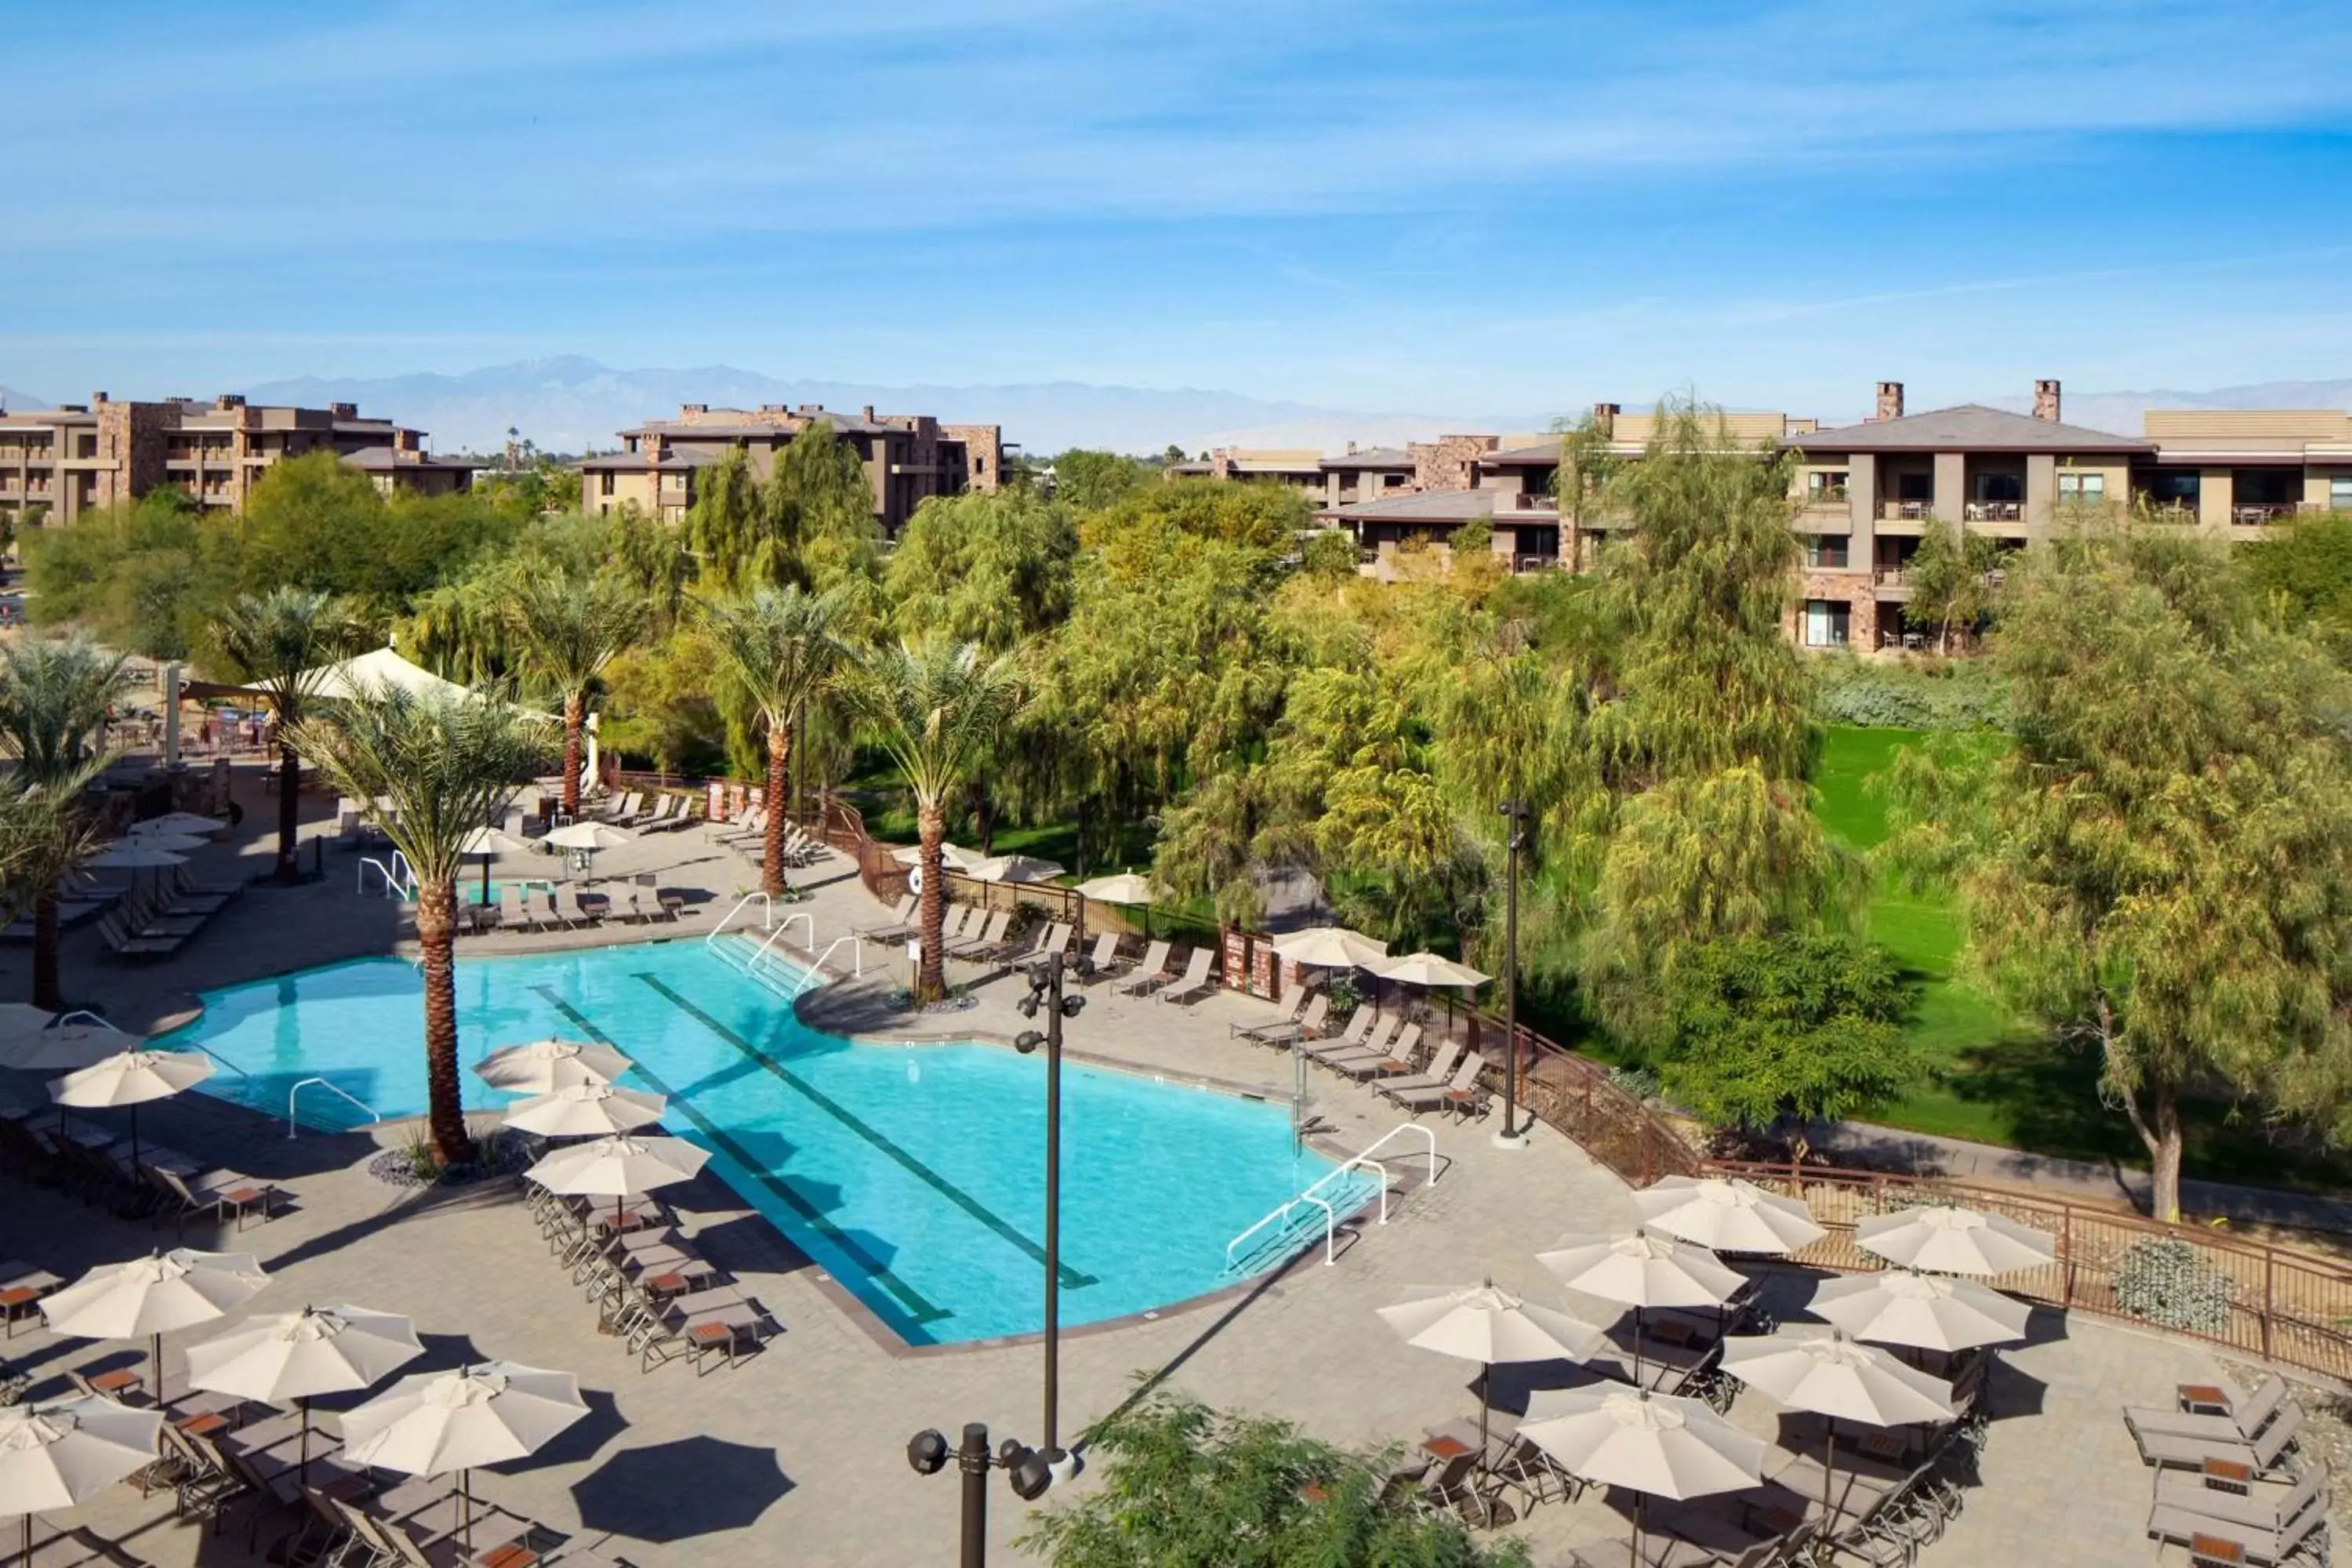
135, 855
1726, 1215
1925, 1311
299, 1355
1489, 1325
538, 1067
1426, 969
1831, 1375
1122, 888
1330, 947
179, 823
130, 1078
1015, 868
171, 843
587, 836
488, 843
1640, 1270
953, 857
615, 1167
374, 670
174, 1289
437, 1422
65, 1048
1660, 1445
586, 1110
1948, 1239
63, 1452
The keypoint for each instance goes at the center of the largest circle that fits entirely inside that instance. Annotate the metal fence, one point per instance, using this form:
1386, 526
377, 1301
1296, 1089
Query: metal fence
1575, 1095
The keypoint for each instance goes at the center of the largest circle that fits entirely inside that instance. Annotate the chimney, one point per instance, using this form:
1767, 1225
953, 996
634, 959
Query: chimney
656, 445
226, 401
344, 410
811, 410
688, 410
866, 413
1890, 400
95, 399
1352, 448
1605, 420
2045, 401
407, 440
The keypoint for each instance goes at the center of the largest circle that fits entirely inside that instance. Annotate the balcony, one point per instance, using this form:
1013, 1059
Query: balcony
1906, 510
1994, 511
1890, 577
1524, 563
2260, 514
1828, 495
1528, 502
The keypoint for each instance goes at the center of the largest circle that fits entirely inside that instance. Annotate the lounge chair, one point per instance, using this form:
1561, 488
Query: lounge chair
2265, 1505
672, 901
2260, 1456
217, 1194
984, 941
679, 815
573, 912
620, 813
1458, 1092
1373, 1039
1301, 1021
1398, 1058
955, 925
704, 1323
1044, 943
2244, 1422
513, 915
1102, 959
895, 929
120, 943
1359, 1020
2218, 1541
1197, 985
1150, 973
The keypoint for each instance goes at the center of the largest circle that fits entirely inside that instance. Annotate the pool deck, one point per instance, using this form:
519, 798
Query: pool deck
796, 1456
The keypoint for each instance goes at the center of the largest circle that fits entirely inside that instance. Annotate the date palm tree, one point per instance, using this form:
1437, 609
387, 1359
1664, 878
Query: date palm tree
568, 629
443, 765
54, 698
778, 647
281, 643
937, 707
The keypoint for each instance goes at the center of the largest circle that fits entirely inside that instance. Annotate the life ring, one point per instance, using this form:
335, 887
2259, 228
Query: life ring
914, 881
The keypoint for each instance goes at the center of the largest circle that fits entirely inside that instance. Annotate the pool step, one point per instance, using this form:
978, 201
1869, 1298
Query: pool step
748, 958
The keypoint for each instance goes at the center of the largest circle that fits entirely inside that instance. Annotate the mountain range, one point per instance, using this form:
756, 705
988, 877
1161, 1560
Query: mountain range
572, 404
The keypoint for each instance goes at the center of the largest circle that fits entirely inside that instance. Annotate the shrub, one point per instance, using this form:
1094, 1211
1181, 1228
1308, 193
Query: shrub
1909, 694
2164, 1280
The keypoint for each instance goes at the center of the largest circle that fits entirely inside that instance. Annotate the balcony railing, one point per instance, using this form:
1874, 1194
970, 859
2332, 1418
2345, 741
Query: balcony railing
2255, 514
1994, 511
1889, 576
1528, 502
1834, 495
1907, 510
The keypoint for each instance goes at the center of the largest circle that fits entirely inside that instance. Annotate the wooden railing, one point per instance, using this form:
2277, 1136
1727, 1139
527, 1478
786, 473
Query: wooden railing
1575, 1095
2286, 1305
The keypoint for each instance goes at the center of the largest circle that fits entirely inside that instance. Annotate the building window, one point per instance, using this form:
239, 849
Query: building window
604, 483
2339, 493
1825, 488
1826, 550
1914, 486
2084, 489
1826, 621
2001, 486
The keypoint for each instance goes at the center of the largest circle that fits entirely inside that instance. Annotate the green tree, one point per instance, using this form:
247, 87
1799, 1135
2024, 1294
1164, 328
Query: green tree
825, 502
935, 707
54, 702
280, 642
1330, 553
1183, 1486
446, 766
46, 830
731, 532
1951, 580
568, 629
2308, 571
993, 569
2161, 866
1090, 481
778, 650
141, 576
1256, 517
657, 704
1806, 1027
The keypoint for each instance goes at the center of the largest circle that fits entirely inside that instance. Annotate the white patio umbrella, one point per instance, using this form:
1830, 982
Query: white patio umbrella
1490, 1326
1015, 868
1330, 947
541, 1067
1126, 888
1925, 1312
586, 1110
131, 1078
1726, 1215
182, 824
66, 1046
1428, 969
617, 1166
1833, 1376
437, 1422
150, 1297
1654, 1445
589, 836
1947, 1239
954, 857
296, 1355
1641, 1271
170, 843
63, 1452
485, 844
135, 855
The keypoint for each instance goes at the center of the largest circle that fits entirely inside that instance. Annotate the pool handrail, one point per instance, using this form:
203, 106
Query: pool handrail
291, 1125
1362, 1160
1330, 1229
392, 887
767, 915
856, 960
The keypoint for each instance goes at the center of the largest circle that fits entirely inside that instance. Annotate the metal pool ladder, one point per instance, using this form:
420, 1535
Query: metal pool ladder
1273, 1248
373, 1114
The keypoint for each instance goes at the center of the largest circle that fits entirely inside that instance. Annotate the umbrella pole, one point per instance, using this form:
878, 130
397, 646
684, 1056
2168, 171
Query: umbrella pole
1829, 1469
466, 1490
155, 1361
1637, 1345
134, 1150
1641, 1517
1486, 1394
303, 1474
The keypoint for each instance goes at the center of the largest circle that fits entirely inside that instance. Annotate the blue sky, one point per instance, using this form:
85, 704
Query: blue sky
1461, 207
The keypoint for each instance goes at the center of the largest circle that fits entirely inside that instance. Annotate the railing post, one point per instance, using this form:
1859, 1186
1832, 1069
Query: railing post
2066, 1251
2270, 1260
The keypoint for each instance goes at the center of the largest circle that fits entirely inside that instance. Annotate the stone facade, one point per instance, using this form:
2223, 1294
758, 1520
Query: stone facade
1450, 462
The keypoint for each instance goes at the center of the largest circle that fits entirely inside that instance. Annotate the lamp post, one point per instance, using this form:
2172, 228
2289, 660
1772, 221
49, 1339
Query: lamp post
1046, 991
1509, 1136
1026, 1469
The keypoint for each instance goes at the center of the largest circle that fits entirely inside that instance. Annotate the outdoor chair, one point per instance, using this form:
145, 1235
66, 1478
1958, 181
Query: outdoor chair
622, 813
895, 927
2262, 1457
1102, 959
1044, 943
953, 920
1307, 1015
2242, 1422
1453, 1488
1359, 1019
1443, 1096
2263, 1505
22, 1286
1195, 983
1378, 1031
1397, 1056
723, 1321
681, 816
672, 901
218, 1194
513, 914
592, 908
979, 939
2225, 1540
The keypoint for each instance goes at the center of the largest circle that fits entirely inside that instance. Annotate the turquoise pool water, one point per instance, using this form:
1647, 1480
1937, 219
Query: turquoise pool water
913, 1173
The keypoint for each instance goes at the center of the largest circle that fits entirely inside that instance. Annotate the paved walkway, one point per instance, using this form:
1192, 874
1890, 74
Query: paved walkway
797, 1456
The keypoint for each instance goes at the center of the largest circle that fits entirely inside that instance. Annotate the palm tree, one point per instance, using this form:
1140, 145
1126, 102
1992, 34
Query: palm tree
779, 647
569, 629
937, 707
54, 698
281, 643
443, 765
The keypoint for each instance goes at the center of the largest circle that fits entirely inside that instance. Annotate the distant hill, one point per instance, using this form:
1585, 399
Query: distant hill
2120, 410
572, 404
17, 402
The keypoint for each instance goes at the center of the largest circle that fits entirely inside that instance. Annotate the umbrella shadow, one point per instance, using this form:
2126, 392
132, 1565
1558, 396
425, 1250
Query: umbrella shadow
672, 1491
1511, 1385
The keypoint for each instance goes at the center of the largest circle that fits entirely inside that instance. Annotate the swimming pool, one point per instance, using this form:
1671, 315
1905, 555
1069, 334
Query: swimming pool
912, 1173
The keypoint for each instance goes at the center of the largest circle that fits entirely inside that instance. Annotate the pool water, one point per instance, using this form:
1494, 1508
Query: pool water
912, 1173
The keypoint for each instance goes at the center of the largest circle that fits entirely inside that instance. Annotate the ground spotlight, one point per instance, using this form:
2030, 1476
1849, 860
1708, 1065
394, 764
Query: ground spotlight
927, 1452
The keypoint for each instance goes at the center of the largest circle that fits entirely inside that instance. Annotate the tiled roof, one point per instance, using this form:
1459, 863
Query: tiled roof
1423, 506
1545, 455
1371, 457
1970, 427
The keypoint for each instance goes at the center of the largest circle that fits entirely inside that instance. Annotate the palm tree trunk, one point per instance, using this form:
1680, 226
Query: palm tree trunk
436, 922
289, 806
931, 831
575, 710
47, 993
771, 851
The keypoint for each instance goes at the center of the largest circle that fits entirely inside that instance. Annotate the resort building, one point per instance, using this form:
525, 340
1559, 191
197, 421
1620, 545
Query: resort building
57, 463
908, 457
